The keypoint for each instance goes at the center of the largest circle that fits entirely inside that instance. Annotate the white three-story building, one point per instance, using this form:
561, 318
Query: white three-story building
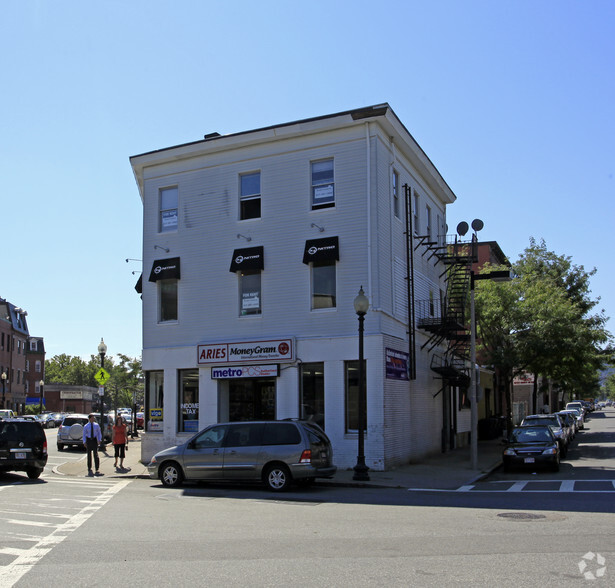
255, 245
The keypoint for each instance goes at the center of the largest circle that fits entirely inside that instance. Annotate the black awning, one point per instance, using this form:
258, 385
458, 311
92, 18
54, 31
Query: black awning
139, 285
165, 269
327, 249
250, 258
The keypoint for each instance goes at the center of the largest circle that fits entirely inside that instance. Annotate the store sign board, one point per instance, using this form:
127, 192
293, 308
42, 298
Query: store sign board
246, 351
244, 371
397, 364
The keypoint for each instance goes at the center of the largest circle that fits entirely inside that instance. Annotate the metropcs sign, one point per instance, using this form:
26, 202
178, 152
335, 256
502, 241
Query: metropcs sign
246, 351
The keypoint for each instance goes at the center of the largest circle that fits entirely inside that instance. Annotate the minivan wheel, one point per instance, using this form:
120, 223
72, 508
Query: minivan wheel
171, 475
277, 478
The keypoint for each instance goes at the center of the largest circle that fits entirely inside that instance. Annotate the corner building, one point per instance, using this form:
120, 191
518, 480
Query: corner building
255, 245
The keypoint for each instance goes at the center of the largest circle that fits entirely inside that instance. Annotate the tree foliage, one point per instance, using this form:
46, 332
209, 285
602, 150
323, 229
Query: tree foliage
125, 384
544, 322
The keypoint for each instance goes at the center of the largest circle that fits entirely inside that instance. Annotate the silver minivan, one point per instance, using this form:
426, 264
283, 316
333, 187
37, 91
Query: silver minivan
276, 453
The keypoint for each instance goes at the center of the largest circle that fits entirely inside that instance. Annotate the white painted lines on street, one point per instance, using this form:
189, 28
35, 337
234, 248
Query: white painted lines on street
26, 559
528, 486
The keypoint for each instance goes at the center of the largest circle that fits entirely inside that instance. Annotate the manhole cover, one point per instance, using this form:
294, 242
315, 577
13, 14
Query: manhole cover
521, 516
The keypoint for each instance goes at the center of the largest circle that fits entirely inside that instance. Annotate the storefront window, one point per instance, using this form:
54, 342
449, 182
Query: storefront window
313, 393
351, 369
188, 401
154, 400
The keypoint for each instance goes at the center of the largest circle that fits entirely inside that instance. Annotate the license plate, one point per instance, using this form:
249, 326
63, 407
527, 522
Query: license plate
20, 456
529, 460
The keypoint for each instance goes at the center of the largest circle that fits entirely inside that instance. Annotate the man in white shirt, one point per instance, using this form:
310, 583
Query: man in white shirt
91, 439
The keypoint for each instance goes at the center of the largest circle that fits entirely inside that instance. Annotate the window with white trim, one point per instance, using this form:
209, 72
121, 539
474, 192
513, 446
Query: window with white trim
167, 300
250, 295
250, 196
168, 210
323, 187
395, 188
323, 284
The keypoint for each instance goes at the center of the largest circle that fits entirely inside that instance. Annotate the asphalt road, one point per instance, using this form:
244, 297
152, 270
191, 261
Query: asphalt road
73, 532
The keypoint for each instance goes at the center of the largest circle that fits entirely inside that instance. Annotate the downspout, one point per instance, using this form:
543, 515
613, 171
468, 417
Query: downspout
369, 217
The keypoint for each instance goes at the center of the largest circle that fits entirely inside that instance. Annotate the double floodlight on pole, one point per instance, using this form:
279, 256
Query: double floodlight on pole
494, 276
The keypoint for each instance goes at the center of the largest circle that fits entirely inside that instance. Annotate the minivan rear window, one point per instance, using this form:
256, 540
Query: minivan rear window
27, 432
281, 434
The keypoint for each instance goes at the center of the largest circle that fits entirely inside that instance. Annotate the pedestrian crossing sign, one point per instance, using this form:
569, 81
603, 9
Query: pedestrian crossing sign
102, 376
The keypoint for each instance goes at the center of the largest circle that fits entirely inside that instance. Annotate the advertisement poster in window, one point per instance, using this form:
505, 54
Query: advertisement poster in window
169, 219
323, 194
250, 300
397, 364
155, 419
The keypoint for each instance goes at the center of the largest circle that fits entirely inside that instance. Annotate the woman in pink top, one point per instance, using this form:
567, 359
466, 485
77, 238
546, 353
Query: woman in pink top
120, 439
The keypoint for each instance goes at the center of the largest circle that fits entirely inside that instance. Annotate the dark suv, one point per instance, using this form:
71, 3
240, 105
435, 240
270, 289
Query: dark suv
23, 447
276, 453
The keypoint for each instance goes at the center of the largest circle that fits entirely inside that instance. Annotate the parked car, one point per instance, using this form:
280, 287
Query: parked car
531, 446
7, 414
578, 405
274, 452
575, 417
580, 415
47, 420
568, 420
552, 421
23, 447
70, 433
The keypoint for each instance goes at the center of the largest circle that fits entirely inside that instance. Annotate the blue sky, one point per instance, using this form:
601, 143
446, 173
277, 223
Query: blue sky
512, 101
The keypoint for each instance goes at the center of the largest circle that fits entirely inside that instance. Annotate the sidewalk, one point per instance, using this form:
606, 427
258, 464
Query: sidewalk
445, 471
133, 468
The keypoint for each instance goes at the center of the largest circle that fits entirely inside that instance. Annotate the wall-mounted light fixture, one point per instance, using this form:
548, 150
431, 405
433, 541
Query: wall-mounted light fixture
165, 249
314, 225
244, 237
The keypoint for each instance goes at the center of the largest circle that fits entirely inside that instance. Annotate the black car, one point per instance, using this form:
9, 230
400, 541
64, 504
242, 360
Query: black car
23, 447
531, 447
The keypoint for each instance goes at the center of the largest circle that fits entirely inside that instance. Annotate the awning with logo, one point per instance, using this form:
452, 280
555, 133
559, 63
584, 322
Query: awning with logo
326, 249
165, 269
139, 285
249, 258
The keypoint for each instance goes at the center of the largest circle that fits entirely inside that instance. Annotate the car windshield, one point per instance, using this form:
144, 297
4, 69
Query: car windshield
541, 421
531, 435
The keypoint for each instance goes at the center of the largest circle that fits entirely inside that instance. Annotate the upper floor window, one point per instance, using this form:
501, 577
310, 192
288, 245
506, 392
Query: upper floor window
250, 298
37, 366
33, 346
250, 196
416, 219
323, 284
428, 222
323, 187
396, 202
168, 210
167, 300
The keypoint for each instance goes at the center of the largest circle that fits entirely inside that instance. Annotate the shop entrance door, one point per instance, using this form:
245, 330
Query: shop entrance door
251, 399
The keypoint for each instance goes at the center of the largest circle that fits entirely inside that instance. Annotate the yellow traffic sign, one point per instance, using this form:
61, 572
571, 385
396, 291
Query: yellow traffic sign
101, 376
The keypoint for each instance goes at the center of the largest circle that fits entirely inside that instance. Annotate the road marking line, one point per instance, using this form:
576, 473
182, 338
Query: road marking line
13, 572
567, 486
517, 487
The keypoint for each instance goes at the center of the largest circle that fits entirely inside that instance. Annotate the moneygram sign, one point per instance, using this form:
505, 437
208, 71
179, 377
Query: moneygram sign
246, 351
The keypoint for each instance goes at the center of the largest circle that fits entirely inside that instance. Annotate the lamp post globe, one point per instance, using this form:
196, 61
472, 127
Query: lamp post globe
361, 304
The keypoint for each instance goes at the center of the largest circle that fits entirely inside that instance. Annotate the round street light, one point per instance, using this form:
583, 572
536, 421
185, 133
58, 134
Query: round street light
361, 304
41, 384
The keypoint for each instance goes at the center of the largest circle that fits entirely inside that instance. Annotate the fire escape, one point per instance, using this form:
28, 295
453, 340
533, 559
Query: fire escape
446, 320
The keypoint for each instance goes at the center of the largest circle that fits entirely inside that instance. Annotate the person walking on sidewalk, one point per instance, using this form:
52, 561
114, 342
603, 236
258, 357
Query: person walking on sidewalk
120, 440
91, 438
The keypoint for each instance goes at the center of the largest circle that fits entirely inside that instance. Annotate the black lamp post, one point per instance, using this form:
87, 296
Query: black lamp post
361, 304
41, 385
102, 351
3, 387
